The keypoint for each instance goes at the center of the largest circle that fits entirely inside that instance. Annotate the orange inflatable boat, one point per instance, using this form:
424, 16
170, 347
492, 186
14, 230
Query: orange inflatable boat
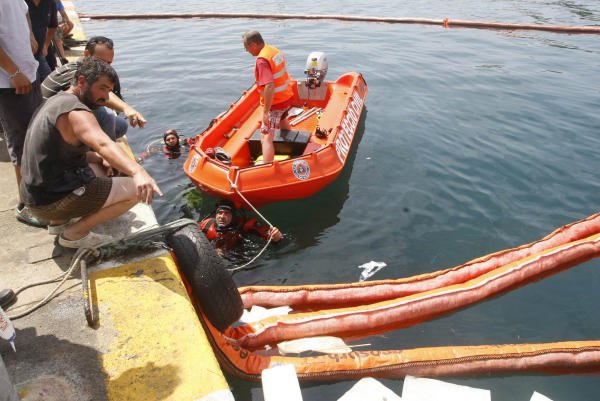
226, 157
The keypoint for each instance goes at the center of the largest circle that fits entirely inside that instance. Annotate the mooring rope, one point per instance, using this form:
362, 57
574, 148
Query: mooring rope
141, 239
77, 257
234, 186
446, 22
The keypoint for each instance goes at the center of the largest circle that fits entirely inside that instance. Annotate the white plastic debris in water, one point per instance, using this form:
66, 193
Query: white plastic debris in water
219, 395
369, 389
281, 383
421, 389
258, 313
539, 397
7, 330
325, 344
370, 269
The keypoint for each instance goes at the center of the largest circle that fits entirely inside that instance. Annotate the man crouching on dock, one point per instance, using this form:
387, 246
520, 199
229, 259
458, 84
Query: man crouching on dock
58, 183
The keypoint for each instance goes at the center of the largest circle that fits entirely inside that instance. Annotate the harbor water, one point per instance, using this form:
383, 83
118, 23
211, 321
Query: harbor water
472, 141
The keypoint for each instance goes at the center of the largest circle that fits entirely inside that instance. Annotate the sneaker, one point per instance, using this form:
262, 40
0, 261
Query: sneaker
59, 228
24, 216
7, 298
91, 240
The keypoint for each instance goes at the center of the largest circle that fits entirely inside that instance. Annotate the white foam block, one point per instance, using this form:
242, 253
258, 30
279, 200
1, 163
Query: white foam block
539, 397
369, 389
281, 383
421, 389
258, 313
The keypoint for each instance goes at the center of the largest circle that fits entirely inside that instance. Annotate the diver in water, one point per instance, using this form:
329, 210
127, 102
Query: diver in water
172, 144
172, 147
226, 228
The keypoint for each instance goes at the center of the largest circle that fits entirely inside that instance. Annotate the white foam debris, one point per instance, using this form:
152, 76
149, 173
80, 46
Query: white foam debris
220, 395
370, 268
257, 313
422, 389
281, 383
369, 389
539, 397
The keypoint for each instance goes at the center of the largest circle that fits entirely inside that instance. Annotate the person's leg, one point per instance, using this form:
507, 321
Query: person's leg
268, 134
284, 124
43, 69
51, 57
268, 150
15, 113
122, 197
121, 126
107, 120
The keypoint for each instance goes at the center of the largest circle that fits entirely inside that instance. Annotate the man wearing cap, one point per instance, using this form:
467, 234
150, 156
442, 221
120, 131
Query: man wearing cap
226, 228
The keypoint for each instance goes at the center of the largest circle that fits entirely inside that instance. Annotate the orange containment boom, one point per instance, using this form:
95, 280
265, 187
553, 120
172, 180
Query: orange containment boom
242, 350
446, 22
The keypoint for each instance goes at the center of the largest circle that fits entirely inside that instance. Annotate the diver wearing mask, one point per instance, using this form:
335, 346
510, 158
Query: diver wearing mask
226, 228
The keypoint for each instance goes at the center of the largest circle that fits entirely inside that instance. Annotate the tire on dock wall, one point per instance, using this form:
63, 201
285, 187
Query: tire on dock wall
211, 283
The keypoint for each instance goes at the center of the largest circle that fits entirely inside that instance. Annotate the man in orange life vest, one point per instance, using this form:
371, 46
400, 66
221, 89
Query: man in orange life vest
274, 83
225, 229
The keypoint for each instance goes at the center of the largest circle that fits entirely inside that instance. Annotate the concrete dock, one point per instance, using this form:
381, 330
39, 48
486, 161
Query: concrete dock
148, 343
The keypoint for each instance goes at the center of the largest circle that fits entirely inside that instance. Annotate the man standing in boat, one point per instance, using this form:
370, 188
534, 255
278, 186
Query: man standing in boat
274, 84
225, 228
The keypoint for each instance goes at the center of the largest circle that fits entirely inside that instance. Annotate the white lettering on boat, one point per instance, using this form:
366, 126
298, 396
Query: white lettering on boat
348, 127
193, 163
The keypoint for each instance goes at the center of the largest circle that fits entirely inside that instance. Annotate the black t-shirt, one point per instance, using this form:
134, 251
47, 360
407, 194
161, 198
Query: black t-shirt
43, 16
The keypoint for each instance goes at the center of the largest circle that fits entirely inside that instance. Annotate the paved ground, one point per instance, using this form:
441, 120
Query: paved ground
55, 338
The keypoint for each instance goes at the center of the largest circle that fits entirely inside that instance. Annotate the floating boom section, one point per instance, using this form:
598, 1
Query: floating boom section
242, 350
415, 308
568, 357
339, 295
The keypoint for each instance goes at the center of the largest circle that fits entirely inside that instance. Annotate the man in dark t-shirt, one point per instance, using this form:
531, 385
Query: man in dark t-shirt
42, 14
58, 183
61, 78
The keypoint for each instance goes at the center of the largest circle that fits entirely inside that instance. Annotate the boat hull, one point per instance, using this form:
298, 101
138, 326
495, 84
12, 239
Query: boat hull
298, 175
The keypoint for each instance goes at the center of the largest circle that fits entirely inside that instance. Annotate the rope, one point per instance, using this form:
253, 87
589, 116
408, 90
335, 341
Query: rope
79, 260
63, 278
446, 22
235, 188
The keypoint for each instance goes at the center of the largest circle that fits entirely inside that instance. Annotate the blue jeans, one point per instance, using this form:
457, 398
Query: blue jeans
44, 68
113, 125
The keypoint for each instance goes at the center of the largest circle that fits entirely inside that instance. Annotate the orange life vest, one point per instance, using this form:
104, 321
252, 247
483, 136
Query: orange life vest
282, 90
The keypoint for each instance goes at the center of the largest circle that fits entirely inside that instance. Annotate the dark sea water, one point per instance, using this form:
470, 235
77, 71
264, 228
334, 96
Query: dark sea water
473, 141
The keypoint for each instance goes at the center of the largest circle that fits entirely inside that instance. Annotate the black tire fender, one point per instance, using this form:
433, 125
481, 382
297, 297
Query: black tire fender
205, 271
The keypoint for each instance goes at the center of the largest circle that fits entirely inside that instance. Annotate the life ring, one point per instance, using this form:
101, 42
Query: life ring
206, 274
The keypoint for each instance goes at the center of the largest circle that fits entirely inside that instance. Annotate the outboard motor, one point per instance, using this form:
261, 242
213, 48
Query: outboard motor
316, 69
